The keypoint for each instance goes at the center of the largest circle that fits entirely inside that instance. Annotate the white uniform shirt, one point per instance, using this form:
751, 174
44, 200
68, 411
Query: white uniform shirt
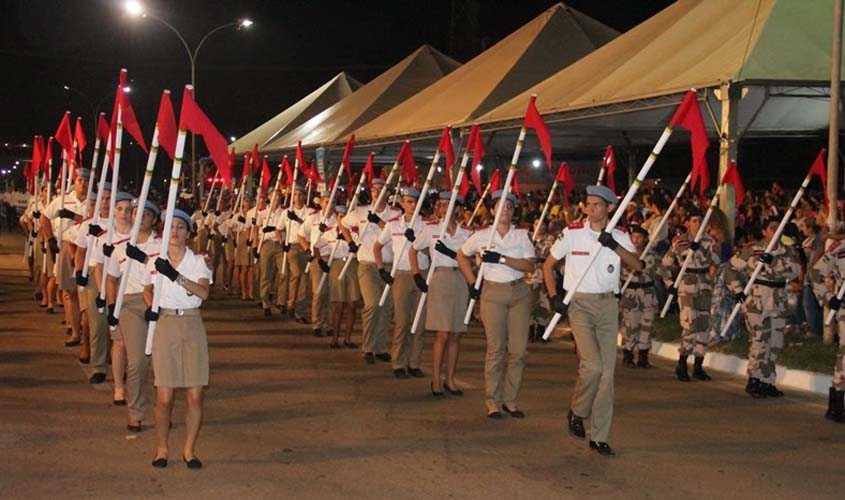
393, 235
429, 238
357, 219
260, 219
322, 242
72, 203
290, 227
577, 245
118, 263
173, 296
516, 243
118, 239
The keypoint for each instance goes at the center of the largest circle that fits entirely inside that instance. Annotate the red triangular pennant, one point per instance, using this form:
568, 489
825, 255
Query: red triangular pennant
732, 177
193, 119
63, 134
409, 165
535, 121
688, 116
819, 168
609, 163
166, 122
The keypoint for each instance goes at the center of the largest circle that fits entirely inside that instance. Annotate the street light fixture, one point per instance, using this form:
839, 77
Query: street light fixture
136, 9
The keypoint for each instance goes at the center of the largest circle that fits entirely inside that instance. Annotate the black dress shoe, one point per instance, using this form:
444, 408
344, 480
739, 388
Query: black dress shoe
317, 332
85, 360
193, 463
350, 345
576, 426
383, 356
133, 428
97, 378
416, 372
39, 296
436, 394
603, 449
453, 392
267, 312
369, 358
160, 463
72, 343
514, 413
400, 373
495, 415
119, 402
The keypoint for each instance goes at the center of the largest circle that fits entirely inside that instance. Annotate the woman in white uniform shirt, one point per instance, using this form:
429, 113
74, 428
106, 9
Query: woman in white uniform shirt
506, 304
180, 346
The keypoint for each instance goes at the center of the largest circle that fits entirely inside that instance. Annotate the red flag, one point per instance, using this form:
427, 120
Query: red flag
515, 185
446, 148
231, 161
166, 122
103, 128
63, 135
369, 169
300, 158
37, 155
495, 181
464, 189
193, 118
127, 116
347, 152
79, 136
476, 144
409, 165
247, 162
609, 163
564, 178
688, 116
265, 174
288, 170
535, 121
732, 177
314, 173
255, 160
48, 159
819, 168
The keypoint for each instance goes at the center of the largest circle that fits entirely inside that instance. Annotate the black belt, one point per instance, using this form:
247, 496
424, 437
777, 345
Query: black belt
636, 286
770, 284
702, 270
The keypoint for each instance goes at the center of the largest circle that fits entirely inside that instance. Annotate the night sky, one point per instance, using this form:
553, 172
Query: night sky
243, 77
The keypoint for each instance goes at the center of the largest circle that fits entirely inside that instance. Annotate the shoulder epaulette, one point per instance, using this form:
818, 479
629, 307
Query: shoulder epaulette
622, 228
748, 244
481, 228
395, 218
834, 245
576, 225
523, 227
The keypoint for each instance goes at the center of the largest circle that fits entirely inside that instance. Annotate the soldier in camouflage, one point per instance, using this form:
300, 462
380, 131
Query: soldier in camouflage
765, 307
638, 305
694, 293
826, 277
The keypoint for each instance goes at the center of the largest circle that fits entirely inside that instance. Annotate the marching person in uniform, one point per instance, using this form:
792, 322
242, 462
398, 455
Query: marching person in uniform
639, 305
240, 230
375, 320
594, 311
132, 323
694, 293
310, 233
827, 275
506, 303
765, 307
180, 346
344, 294
294, 216
407, 347
268, 249
448, 295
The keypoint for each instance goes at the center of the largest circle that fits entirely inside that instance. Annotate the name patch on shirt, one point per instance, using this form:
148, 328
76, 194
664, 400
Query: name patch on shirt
580, 252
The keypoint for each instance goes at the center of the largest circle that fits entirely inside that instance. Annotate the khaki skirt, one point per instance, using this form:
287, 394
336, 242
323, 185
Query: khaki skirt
180, 349
67, 280
345, 290
243, 255
229, 249
448, 296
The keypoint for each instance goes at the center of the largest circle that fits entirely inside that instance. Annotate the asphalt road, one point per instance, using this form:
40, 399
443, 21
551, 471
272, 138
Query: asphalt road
286, 417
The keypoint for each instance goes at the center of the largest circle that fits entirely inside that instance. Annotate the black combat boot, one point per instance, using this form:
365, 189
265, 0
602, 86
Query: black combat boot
754, 388
771, 390
835, 405
681, 371
698, 370
628, 359
642, 360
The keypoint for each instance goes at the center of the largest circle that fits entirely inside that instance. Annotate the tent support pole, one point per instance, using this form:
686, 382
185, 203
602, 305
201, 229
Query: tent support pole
729, 96
833, 127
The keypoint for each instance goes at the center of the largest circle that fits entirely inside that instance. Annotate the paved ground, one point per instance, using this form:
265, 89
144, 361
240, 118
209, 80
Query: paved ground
287, 417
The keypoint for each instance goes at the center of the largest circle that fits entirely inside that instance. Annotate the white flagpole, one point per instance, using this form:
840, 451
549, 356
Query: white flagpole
101, 301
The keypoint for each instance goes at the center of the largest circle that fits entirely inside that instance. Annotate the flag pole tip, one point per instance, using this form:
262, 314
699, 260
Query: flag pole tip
165, 91
188, 86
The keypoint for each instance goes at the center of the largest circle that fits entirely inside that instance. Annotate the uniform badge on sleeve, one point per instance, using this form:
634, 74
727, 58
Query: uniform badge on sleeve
610, 269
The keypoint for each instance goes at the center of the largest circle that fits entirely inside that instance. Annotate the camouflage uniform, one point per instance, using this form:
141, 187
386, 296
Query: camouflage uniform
638, 307
541, 314
832, 265
694, 291
764, 309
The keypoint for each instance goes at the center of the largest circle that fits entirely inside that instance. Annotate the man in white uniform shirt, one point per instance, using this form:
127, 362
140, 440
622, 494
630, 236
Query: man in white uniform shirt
293, 218
594, 311
375, 320
398, 233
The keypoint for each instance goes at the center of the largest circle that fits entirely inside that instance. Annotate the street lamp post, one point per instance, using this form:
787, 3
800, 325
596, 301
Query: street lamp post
95, 108
136, 9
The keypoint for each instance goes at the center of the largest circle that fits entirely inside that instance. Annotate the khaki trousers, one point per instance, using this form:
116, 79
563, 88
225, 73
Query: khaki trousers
133, 328
594, 319
505, 313
375, 320
297, 282
319, 302
267, 270
407, 347
98, 327
282, 279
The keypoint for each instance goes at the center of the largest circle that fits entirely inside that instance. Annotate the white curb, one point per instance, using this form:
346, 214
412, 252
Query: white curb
794, 379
